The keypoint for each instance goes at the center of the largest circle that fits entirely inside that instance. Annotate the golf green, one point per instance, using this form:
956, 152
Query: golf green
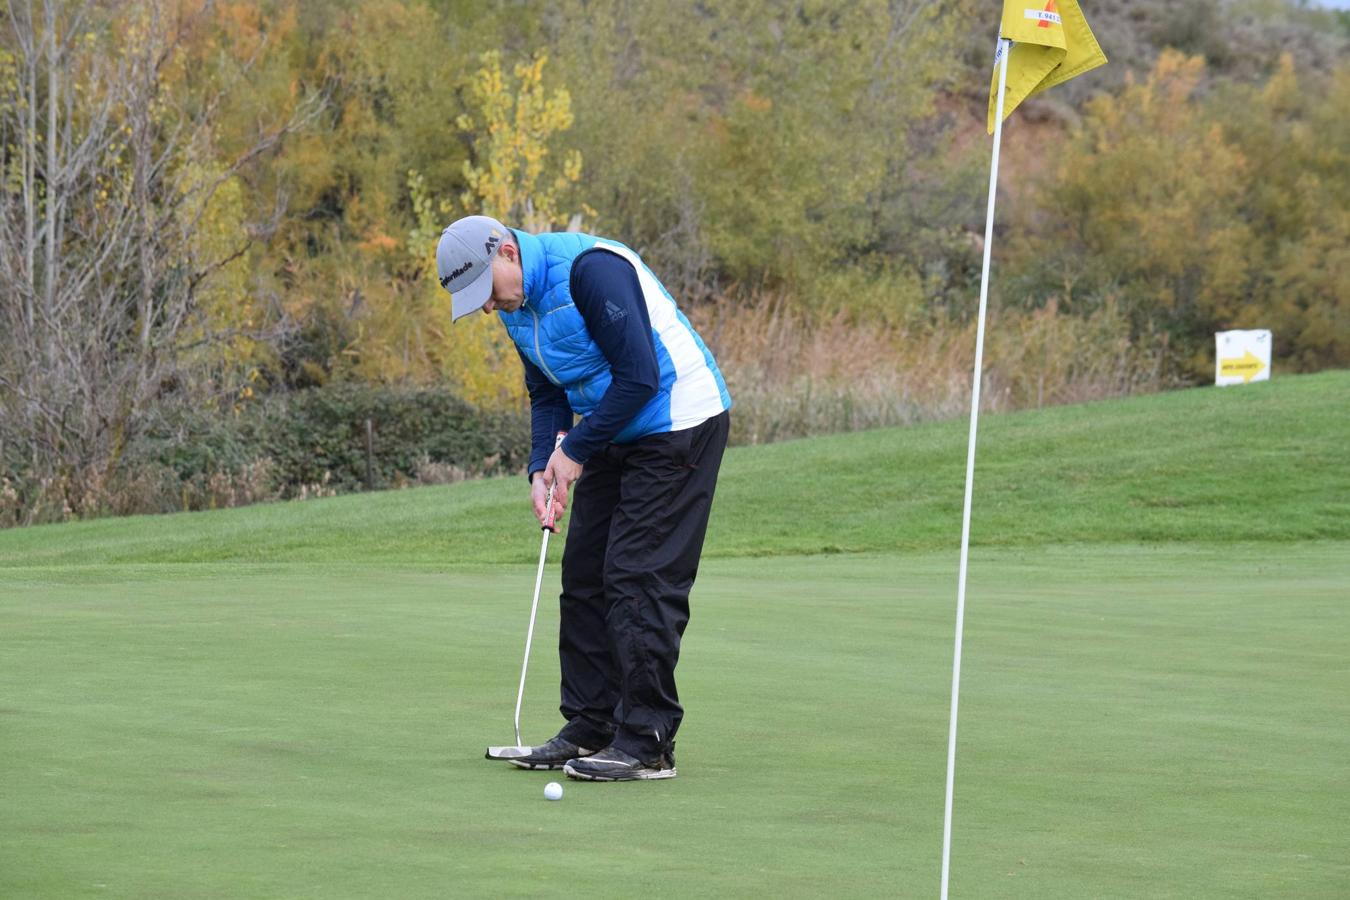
1136, 720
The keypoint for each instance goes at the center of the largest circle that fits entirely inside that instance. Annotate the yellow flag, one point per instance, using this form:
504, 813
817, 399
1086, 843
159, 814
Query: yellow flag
1051, 44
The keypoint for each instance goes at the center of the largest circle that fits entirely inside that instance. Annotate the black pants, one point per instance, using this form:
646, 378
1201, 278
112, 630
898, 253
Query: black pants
639, 514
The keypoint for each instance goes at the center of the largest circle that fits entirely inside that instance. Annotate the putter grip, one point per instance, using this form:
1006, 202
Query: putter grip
548, 510
548, 500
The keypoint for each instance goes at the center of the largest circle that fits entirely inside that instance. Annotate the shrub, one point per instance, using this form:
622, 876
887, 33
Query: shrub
302, 444
318, 436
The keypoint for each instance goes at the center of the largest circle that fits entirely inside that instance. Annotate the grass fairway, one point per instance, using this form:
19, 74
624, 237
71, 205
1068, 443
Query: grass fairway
190, 710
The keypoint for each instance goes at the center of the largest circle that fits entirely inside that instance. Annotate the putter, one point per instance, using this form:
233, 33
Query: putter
518, 749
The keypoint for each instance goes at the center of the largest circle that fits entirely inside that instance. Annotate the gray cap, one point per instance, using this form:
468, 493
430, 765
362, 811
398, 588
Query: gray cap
464, 261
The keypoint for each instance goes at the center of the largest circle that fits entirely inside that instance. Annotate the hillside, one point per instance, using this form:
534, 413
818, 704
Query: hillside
1264, 462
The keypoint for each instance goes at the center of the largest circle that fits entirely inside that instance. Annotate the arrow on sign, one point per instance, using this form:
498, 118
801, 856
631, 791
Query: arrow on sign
1245, 367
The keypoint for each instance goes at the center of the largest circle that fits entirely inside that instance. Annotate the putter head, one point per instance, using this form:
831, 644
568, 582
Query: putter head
508, 752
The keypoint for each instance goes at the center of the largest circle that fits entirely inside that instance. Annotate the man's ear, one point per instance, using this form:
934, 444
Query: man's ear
510, 251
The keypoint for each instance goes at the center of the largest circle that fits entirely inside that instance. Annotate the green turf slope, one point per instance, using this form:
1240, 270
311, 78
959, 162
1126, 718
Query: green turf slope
1268, 461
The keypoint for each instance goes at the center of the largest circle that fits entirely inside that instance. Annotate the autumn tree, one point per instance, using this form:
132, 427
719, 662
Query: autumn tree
1197, 214
343, 293
519, 173
117, 219
1296, 141
760, 143
1142, 205
512, 124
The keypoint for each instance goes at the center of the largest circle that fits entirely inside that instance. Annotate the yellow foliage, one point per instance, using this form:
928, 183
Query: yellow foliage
226, 301
1155, 184
514, 123
484, 365
476, 352
756, 103
243, 24
8, 75
1203, 212
401, 336
376, 241
518, 179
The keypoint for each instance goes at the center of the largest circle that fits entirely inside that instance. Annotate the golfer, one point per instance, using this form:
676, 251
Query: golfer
601, 338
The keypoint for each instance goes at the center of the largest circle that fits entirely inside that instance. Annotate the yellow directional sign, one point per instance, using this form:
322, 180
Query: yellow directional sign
1247, 366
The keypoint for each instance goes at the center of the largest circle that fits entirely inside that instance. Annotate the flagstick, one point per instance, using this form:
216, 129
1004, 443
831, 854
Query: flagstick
1004, 48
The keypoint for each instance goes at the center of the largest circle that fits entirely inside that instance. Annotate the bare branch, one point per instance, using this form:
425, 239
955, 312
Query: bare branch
101, 267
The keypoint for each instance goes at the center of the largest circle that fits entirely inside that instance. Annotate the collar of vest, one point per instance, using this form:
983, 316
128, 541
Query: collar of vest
533, 266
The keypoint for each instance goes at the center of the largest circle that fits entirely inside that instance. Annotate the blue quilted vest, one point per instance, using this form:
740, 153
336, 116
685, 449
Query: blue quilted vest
551, 333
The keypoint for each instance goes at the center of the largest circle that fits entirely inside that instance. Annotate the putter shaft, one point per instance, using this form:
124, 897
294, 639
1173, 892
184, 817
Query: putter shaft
534, 608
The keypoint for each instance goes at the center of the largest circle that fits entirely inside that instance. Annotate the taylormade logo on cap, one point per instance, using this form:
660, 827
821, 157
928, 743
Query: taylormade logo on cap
455, 274
464, 261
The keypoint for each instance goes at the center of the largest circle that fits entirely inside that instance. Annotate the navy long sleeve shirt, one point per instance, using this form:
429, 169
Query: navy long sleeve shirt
606, 292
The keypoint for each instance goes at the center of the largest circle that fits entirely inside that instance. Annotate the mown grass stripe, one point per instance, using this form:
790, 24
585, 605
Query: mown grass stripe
1266, 462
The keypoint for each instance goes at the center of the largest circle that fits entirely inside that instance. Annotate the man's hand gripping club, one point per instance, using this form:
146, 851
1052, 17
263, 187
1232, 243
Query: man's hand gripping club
548, 489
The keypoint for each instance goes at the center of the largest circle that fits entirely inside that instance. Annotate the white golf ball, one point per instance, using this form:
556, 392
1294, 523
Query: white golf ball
553, 791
